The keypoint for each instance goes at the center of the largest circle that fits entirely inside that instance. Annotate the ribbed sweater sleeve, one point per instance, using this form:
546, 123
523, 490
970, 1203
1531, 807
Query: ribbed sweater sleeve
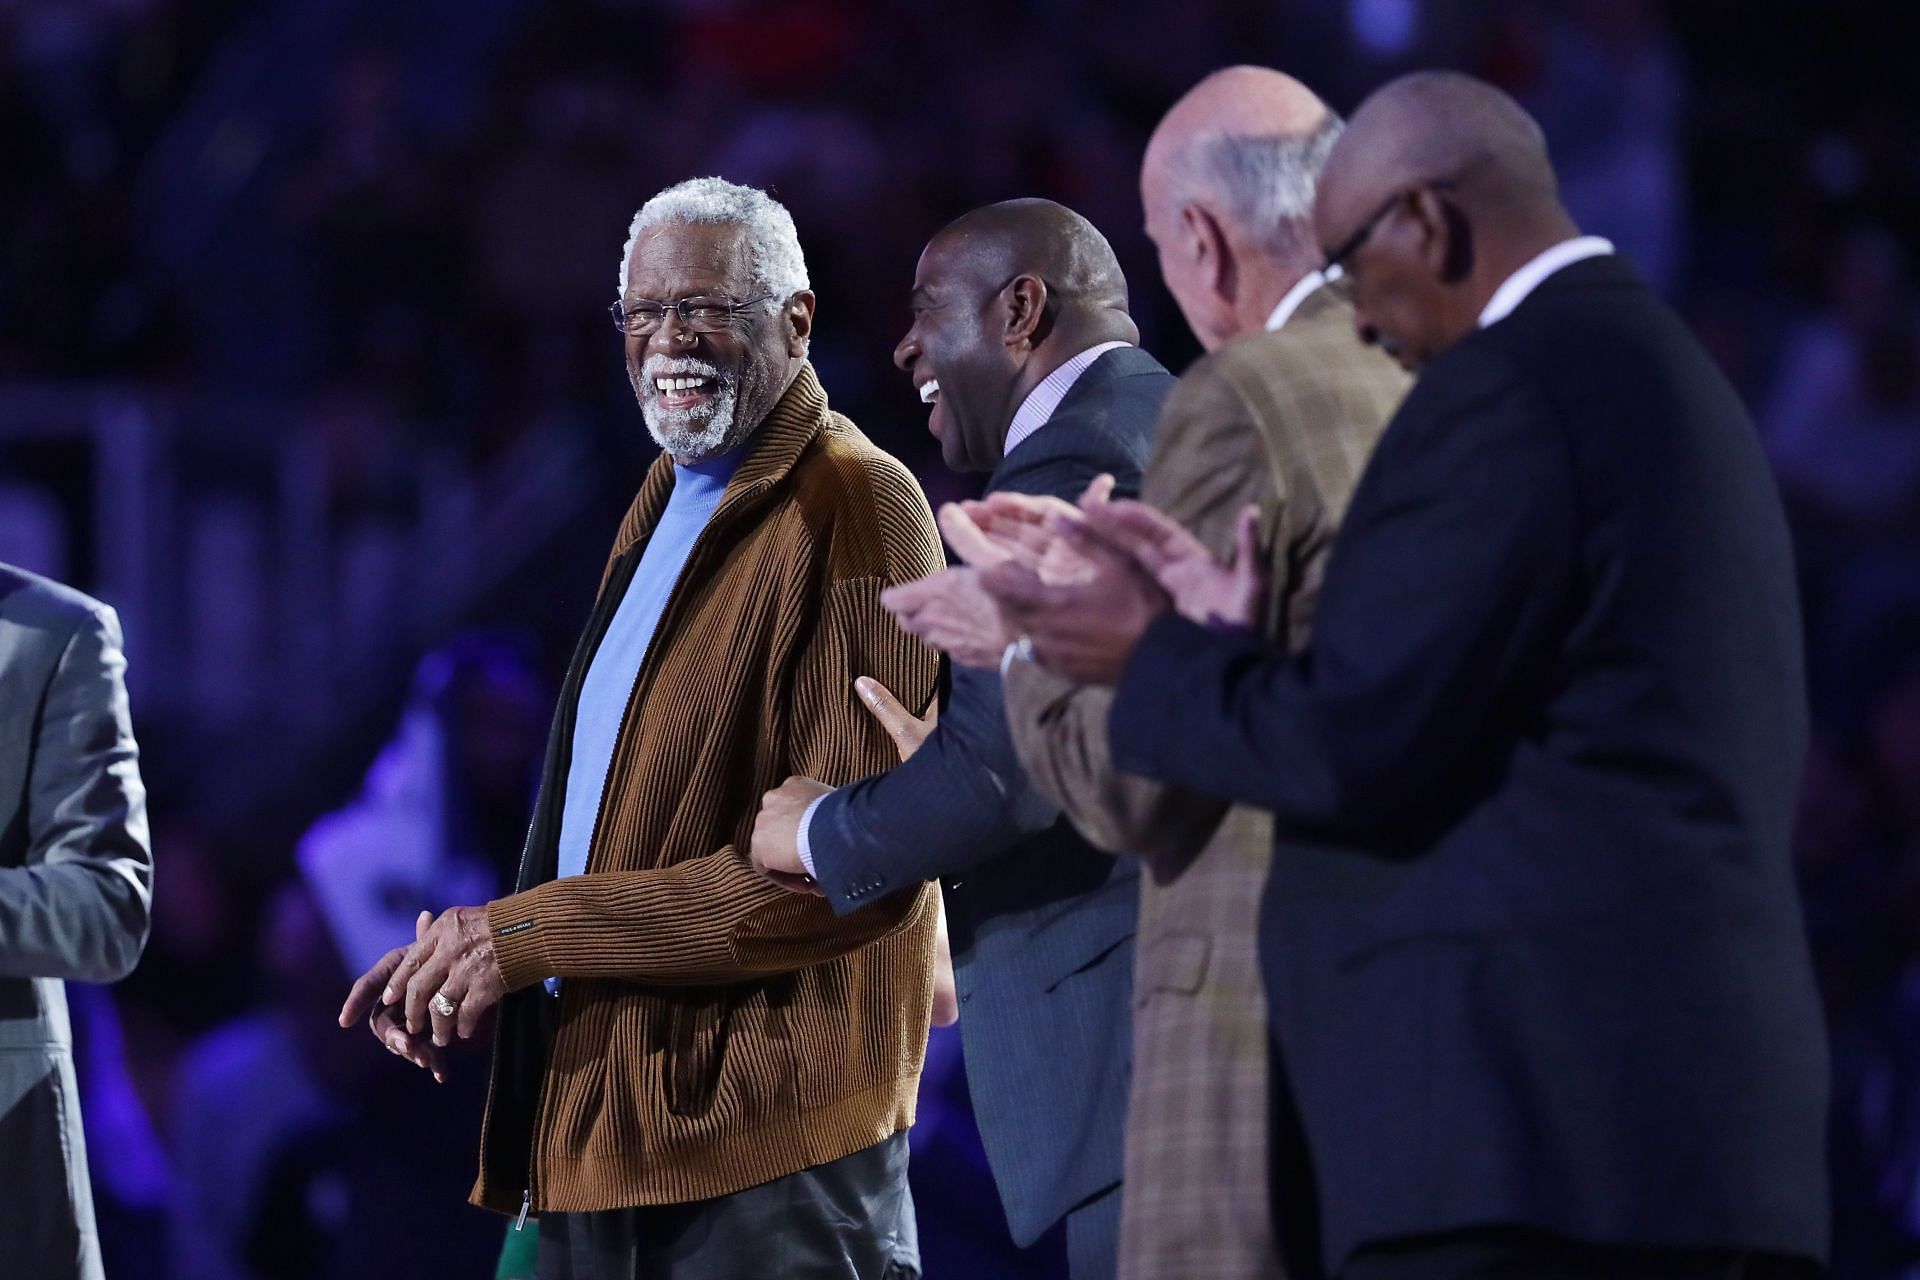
713, 918
708, 919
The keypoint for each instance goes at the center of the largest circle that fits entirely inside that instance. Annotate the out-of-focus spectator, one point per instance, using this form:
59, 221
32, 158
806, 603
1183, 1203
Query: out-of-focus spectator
1609, 92
1843, 424
286, 1163
444, 806
1877, 1025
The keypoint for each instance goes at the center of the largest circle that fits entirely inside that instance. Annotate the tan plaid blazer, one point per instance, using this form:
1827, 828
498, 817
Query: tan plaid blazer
1286, 420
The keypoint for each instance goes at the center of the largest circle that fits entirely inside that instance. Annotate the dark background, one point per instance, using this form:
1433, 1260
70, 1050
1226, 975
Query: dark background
304, 367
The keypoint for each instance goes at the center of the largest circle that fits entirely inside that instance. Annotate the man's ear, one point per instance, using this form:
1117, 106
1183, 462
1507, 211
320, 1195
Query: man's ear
798, 315
1206, 243
1026, 312
1446, 244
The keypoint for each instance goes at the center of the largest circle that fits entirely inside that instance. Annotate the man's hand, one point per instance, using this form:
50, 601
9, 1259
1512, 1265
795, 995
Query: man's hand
977, 539
776, 834
1202, 588
953, 613
1018, 527
385, 1020
452, 959
906, 729
1082, 630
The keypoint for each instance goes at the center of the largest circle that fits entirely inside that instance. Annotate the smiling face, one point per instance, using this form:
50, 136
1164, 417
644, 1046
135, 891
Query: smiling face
703, 393
954, 353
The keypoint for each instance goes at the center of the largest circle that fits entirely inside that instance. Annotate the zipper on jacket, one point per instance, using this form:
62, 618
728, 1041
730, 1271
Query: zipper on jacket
597, 625
533, 1132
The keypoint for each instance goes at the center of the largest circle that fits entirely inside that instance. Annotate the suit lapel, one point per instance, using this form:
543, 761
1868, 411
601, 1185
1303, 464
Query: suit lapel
1121, 362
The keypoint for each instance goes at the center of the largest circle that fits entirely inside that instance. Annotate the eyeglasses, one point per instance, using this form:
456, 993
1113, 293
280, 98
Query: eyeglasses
644, 316
1338, 258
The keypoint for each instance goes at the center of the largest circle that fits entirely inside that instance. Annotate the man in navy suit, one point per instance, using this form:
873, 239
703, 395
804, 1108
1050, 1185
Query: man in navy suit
1541, 997
1022, 346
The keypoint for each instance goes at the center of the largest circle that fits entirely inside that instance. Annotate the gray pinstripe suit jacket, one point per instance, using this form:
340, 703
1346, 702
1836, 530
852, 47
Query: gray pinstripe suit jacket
1286, 420
1042, 925
75, 891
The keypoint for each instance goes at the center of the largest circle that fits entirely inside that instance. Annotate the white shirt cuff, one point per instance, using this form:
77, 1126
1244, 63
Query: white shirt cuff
806, 849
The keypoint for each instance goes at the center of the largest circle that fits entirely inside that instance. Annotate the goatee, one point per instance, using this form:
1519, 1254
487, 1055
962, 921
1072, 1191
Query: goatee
704, 431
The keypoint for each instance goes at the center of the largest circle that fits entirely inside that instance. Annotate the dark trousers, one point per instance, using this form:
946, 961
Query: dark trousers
848, 1219
1500, 1254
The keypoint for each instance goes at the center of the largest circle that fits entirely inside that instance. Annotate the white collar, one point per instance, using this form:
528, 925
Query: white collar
1040, 403
1515, 288
1302, 289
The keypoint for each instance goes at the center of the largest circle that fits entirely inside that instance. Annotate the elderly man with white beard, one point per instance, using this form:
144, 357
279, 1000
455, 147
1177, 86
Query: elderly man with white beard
695, 1072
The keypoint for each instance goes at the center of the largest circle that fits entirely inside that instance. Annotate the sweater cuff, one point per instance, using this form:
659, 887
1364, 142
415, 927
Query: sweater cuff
519, 941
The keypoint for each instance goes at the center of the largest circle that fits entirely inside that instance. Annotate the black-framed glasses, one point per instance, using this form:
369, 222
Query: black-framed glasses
644, 316
1338, 258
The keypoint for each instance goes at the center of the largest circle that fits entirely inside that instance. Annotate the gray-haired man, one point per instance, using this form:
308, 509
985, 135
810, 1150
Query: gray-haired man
697, 1073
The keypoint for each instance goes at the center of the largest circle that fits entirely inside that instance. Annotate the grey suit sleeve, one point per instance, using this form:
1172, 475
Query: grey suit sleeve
79, 908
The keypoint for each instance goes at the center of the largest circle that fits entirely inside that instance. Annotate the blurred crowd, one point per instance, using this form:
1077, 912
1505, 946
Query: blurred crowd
390, 233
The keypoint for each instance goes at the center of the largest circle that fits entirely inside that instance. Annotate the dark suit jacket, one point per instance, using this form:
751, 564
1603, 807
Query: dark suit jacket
76, 892
1041, 923
1532, 945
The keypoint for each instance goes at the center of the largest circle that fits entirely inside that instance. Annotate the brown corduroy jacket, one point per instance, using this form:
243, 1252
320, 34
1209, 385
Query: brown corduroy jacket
713, 1031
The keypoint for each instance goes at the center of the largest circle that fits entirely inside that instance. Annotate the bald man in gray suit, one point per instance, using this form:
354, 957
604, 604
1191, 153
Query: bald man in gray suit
76, 891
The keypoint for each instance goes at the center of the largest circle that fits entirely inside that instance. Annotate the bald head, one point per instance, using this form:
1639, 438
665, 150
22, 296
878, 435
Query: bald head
1436, 127
1239, 100
1249, 142
1002, 297
1042, 239
1227, 185
1438, 192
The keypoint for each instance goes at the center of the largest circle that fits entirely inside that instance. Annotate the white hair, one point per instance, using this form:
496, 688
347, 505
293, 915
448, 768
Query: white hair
779, 267
1265, 182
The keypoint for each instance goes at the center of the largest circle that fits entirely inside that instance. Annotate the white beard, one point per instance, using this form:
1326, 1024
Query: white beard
690, 435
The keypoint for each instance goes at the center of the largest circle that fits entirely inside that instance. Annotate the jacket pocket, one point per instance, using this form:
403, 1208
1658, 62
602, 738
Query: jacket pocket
1096, 948
696, 1051
1084, 934
1172, 964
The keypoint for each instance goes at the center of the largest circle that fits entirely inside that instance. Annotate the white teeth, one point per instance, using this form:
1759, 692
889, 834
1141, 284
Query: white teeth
671, 386
928, 390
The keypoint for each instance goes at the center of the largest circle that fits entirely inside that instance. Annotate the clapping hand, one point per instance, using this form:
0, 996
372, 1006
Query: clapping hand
1203, 589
